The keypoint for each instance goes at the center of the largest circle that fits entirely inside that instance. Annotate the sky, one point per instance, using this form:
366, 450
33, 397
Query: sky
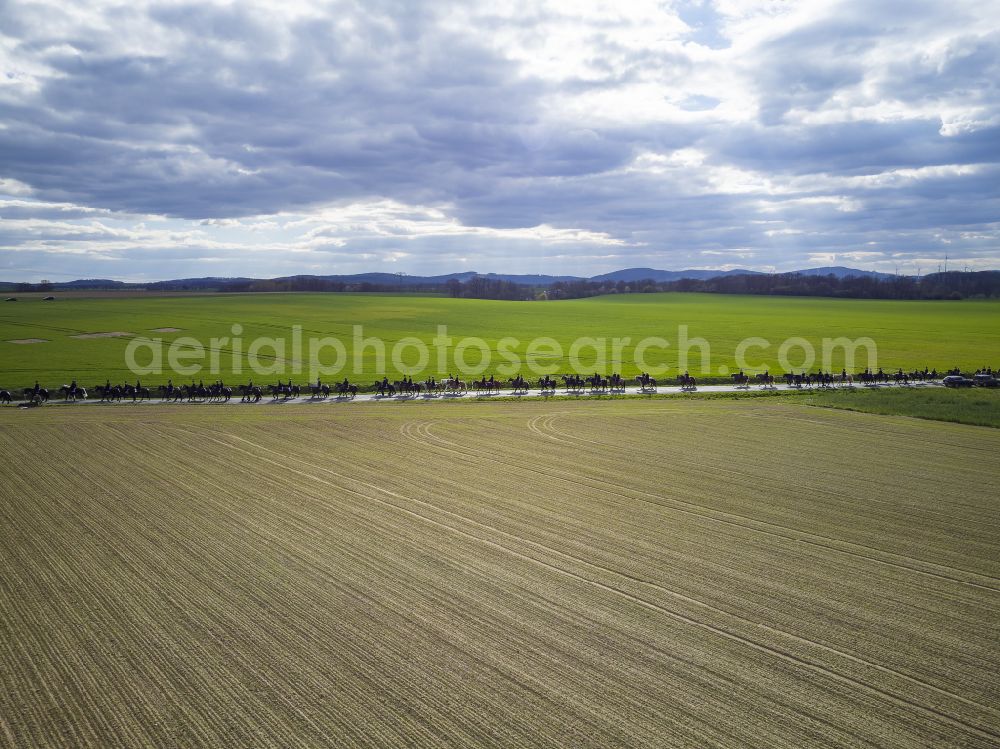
154, 140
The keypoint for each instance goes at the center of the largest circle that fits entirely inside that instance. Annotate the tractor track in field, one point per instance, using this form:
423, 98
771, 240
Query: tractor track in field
773, 650
545, 426
691, 508
384, 577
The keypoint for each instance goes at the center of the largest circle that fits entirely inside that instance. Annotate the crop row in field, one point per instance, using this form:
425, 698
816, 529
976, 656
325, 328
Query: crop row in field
614, 574
906, 334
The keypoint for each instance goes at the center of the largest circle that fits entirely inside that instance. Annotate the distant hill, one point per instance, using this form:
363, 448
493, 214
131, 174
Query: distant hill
190, 284
403, 279
385, 279
91, 283
839, 271
643, 274
390, 280
529, 280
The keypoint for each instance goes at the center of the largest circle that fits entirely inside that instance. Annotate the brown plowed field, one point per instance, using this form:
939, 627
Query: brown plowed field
633, 574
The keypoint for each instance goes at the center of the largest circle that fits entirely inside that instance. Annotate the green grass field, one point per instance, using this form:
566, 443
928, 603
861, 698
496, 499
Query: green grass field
908, 334
977, 406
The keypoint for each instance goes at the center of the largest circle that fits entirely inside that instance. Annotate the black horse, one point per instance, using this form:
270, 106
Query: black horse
597, 383
547, 385
73, 392
574, 383
646, 383
250, 393
285, 391
345, 389
140, 393
319, 390
408, 387
109, 393
687, 382
36, 396
616, 383
519, 385
489, 386
219, 392
764, 379
5, 397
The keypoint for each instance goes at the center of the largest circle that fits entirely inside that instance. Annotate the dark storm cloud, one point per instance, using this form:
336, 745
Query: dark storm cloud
221, 128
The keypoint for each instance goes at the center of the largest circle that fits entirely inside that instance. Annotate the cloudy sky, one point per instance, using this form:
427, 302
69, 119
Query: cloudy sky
149, 140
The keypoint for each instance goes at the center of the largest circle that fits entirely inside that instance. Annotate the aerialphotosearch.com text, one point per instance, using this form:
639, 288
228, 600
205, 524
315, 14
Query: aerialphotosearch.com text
359, 355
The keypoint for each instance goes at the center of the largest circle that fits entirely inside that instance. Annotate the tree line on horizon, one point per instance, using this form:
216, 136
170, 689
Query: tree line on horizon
952, 285
949, 285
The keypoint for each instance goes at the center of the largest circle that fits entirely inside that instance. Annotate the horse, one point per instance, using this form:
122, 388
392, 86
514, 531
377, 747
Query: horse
741, 381
871, 379
646, 383
687, 382
824, 379
765, 379
250, 393
109, 392
73, 392
518, 385
39, 397
573, 383
793, 380
137, 393
408, 387
5, 397
285, 391
597, 383
320, 391
346, 389
546, 385
487, 385
456, 386
221, 392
